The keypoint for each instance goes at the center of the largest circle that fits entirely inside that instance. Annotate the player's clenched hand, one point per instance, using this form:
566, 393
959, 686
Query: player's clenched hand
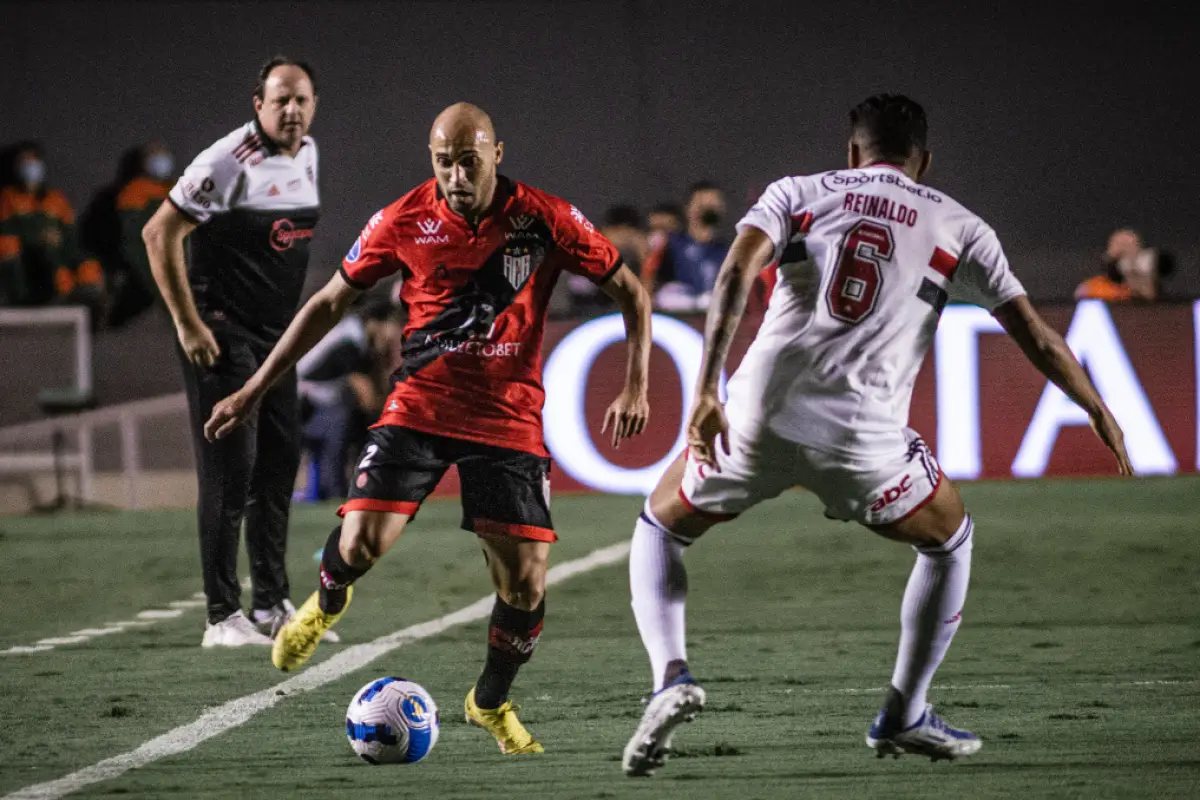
229, 413
706, 424
627, 415
1110, 433
199, 344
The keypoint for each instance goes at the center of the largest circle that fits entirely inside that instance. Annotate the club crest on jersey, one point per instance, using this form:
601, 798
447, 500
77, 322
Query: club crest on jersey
517, 269
430, 227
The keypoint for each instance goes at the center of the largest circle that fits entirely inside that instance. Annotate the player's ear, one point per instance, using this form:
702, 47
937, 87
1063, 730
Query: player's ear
258, 104
853, 155
499, 152
926, 160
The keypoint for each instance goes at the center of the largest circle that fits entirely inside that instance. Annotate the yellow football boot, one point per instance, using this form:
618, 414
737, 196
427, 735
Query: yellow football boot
502, 723
297, 640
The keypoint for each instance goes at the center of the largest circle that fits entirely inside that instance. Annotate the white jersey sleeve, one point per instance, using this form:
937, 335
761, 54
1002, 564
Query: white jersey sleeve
773, 212
984, 278
210, 184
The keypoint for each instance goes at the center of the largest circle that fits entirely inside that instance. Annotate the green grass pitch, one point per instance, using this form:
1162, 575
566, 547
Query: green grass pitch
1077, 661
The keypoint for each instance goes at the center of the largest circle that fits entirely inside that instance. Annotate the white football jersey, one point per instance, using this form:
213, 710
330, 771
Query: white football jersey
867, 259
256, 208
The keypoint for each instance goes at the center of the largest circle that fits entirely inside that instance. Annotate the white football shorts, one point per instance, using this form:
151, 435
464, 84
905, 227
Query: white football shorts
874, 491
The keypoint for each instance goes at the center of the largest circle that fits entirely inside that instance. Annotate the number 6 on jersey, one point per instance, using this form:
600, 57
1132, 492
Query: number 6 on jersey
855, 283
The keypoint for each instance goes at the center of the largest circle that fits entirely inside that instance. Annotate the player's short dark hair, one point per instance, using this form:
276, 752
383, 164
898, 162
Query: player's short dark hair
892, 125
668, 208
282, 61
623, 215
702, 186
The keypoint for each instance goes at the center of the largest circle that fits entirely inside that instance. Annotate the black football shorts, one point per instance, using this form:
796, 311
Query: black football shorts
504, 492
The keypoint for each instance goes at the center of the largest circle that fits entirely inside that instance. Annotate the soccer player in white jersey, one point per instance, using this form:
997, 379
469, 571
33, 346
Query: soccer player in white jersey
867, 257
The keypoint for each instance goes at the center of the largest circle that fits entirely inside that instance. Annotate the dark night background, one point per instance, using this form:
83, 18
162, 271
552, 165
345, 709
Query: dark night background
1054, 121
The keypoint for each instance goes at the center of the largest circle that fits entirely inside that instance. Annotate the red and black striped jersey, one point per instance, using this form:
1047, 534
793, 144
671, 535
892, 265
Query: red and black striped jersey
476, 299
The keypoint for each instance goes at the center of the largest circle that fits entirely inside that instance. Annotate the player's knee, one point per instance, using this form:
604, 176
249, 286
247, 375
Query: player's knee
930, 537
673, 515
525, 587
360, 546
524, 595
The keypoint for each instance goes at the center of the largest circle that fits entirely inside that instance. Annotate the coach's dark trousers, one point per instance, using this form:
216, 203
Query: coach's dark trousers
250, 474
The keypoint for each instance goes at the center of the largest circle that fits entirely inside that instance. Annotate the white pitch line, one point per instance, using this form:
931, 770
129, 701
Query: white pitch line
143, 619
236, 712
97, 631
57, 640
158, 613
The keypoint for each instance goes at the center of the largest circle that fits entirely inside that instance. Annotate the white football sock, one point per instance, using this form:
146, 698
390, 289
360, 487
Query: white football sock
658, 584
930, 615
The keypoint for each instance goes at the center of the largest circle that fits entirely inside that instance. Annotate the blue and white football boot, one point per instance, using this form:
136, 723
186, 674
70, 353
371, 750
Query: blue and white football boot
674, 704
930, 736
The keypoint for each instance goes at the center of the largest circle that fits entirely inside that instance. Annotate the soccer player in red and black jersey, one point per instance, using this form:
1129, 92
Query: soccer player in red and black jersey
479, 255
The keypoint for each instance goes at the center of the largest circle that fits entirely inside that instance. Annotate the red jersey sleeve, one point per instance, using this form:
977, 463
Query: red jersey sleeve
588, 252
374, 254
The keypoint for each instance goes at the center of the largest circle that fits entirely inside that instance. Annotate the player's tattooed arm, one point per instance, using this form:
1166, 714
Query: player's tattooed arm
752, 250
317, 318
629, 413
1047, 351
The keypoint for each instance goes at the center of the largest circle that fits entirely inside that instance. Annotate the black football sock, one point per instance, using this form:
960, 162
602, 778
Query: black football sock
511, 639
336, 575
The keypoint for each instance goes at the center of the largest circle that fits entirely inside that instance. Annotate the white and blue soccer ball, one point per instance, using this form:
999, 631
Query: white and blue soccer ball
392, 721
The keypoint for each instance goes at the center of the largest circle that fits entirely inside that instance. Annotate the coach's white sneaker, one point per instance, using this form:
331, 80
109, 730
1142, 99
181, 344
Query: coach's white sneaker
678, 703
270, 620
233, 631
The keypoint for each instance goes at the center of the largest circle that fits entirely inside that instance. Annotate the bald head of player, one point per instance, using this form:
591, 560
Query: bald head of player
465, 153
889, 129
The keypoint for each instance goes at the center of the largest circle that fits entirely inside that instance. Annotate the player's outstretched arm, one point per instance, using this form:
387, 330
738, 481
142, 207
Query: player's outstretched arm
1049, 353
629, 413
751, 252
317, 318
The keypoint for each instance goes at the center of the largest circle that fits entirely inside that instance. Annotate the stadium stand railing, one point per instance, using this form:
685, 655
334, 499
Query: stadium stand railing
126, 418
34, 460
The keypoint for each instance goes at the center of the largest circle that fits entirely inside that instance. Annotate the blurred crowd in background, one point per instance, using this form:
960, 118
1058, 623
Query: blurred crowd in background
50, 255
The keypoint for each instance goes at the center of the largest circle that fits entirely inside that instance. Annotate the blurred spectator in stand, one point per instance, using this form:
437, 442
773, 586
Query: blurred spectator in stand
1132, 271
664, 219
681, 271
623, 227
343, 382
39, 245
111, 228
